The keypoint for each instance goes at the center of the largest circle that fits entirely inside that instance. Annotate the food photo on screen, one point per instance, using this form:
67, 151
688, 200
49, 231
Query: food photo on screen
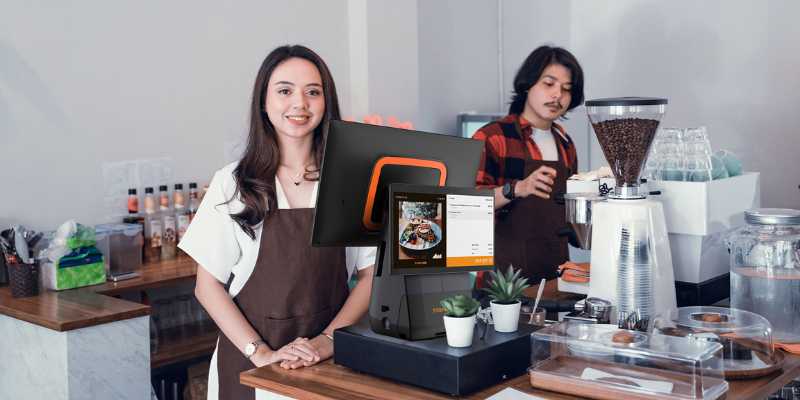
420, 236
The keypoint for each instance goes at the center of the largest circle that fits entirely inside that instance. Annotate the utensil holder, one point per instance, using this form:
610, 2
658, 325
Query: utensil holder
23, 279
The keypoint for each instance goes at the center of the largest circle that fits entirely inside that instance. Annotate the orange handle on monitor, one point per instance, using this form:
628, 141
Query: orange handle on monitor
366, 219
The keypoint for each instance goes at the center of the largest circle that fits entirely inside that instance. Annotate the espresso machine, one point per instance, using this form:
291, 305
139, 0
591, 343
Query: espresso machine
631, 264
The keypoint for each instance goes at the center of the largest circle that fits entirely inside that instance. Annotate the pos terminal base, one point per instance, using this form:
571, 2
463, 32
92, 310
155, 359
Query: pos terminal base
408, 306
432, 364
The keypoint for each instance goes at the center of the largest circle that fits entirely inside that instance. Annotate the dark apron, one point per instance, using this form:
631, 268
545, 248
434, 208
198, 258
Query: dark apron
526, 230
295, 290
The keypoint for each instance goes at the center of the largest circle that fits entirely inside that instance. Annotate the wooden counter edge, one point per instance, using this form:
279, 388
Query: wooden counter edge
152, 275
125, 310
253, 379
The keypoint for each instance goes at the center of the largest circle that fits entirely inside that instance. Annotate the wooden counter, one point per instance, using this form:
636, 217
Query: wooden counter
330, 381
93, 305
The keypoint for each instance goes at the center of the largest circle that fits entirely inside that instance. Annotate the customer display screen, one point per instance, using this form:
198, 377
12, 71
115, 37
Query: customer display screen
436, 232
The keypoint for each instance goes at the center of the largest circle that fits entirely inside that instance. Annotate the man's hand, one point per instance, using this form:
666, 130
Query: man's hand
539, 183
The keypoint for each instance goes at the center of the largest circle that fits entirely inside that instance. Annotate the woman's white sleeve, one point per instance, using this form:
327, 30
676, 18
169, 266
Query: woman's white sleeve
211, 237
363, 257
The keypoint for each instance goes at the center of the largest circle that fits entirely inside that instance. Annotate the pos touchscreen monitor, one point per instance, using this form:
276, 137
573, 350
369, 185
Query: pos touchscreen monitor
440, 229
359, 163
354, 208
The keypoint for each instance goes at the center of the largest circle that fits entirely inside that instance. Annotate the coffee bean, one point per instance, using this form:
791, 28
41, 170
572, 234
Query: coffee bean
625, 143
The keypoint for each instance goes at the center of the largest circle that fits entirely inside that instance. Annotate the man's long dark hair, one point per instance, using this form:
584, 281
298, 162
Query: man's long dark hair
255, 174
532, 69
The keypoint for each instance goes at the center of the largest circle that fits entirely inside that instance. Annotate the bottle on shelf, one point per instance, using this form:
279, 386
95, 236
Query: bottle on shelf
194, 200
182, 218
153, 228
134, 216
163, 198
169, 239
133, 202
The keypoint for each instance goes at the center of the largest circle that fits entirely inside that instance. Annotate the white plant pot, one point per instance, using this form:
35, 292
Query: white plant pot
505, 316
459, 330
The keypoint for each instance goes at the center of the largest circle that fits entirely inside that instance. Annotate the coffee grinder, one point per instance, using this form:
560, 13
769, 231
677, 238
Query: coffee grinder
631, 264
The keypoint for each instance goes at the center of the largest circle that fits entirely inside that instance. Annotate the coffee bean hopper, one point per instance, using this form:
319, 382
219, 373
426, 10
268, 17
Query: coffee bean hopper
631, 260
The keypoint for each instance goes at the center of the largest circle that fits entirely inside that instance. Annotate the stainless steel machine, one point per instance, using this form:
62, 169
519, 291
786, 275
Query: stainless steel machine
631, 264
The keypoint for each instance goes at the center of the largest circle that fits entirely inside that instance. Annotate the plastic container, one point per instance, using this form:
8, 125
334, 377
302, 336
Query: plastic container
102, 234
121, 245
604, 362
746, 338
625, 128
765, 269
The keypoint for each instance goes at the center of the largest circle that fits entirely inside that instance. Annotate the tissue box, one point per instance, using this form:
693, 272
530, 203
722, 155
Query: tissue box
85, 268
705, 208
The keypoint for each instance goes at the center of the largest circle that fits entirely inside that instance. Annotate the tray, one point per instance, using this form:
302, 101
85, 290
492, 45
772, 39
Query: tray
561, 374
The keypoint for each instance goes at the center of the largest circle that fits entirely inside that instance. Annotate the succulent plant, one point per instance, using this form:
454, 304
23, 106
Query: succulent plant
506, 288
460, 306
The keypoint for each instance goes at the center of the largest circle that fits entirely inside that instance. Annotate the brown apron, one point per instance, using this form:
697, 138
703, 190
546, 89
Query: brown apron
295, 290
526, 230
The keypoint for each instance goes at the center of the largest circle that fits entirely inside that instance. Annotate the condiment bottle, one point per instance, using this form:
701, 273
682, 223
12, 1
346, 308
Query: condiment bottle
194, 200
152, 228
133, 202
169, 240
181, 214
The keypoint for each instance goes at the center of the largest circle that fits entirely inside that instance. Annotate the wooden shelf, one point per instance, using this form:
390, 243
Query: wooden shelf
176, 345
154, 275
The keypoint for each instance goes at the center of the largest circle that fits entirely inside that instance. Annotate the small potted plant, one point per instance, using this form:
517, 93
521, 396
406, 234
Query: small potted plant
505, 291
459, 319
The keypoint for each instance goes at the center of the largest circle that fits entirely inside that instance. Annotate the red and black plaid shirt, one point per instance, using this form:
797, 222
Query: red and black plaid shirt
505, 151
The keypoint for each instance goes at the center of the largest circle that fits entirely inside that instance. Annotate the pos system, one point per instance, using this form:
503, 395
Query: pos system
360, 202
412, 195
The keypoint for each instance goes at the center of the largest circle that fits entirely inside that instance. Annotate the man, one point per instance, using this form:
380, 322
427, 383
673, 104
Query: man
527, 159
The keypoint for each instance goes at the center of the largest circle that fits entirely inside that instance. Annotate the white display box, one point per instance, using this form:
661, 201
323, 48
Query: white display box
696, 259
706, 208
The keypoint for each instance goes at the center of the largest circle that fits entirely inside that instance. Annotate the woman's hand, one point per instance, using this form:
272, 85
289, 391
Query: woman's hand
321, 344
299, 350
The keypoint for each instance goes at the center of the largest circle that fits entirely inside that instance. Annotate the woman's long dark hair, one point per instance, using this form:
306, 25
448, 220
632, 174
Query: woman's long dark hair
532, 69
255, 174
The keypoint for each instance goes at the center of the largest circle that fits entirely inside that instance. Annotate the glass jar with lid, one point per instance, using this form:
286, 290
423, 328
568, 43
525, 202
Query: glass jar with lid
765, 269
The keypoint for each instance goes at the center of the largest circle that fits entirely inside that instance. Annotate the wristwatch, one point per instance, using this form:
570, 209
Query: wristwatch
250, 348
508, 190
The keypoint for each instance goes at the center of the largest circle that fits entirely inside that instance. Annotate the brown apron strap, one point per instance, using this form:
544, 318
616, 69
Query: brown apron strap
295, 290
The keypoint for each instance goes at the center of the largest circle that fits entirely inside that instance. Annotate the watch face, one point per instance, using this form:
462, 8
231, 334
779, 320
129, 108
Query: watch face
249, 349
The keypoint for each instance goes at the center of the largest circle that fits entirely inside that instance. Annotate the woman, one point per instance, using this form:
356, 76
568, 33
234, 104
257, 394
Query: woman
284, 298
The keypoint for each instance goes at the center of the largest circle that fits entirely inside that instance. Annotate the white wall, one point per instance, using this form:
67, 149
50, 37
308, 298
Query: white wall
393, 58
458, 61
94, 82
729, 65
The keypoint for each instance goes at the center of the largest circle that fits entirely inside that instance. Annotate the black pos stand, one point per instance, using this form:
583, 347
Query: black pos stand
405, 309
407, 306
403, 337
